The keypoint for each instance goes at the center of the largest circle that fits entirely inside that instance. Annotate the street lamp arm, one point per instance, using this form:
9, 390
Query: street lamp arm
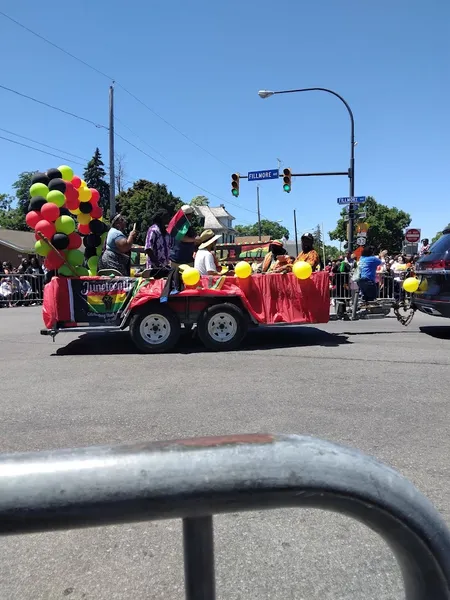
321, 89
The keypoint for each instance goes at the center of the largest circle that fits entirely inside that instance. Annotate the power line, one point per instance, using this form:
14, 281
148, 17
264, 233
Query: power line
61, 110
184, 178
103, 74
148, 145
42, 151
42, 144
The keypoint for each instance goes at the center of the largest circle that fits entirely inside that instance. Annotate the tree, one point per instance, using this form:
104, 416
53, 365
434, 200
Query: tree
142, 200
199, 201
94, 175
120, 174
270, 228
14, 217
386, 225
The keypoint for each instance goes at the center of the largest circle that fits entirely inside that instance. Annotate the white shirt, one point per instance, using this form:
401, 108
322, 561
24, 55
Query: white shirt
204, 262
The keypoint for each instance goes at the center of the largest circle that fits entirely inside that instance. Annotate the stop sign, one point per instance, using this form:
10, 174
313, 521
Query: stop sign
412, 235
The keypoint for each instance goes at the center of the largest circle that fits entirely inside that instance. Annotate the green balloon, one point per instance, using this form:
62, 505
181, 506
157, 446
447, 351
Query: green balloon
104, 236
66, 172
38, 189
75, 257
55, 196
64, 270
81, 271
65, 224
93, 263
99, 250
41, 248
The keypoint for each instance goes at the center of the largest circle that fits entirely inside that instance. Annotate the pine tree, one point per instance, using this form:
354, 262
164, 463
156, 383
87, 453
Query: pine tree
94, 176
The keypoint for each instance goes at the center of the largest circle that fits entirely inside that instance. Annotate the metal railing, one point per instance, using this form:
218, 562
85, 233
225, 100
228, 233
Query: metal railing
389, 286
21, 289
195, 479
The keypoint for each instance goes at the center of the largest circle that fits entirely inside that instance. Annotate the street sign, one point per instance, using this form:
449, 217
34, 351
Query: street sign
260, 175
412, 235
351, 200
361, 240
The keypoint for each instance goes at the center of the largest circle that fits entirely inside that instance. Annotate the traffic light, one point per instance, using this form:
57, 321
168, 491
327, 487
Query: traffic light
287, 180
235, 184
351, 211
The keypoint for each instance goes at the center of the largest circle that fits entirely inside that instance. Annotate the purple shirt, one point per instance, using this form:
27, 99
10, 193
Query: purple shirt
158, 244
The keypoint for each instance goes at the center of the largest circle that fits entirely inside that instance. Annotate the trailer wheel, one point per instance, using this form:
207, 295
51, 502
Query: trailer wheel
155, 329
222, 327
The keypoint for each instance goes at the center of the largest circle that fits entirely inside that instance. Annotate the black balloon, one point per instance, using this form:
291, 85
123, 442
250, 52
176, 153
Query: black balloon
57, 184
85, 207
39, 178
92, 240
54, 174
65, 211
96, 226
60, 241
91, 251
37, 203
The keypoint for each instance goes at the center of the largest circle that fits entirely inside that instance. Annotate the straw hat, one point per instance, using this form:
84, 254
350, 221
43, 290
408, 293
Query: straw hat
208, 238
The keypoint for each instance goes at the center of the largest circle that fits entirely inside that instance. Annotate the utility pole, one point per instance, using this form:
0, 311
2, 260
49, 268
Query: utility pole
295, 232
259, 214
112, 179
323, 247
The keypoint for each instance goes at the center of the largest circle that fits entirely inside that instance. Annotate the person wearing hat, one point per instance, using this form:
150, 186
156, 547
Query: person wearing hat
157, 241
182, 251
308, 254
276, 249
116, 254
204, 259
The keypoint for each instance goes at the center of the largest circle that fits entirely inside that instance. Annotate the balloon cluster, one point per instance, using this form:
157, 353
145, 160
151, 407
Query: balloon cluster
57, 198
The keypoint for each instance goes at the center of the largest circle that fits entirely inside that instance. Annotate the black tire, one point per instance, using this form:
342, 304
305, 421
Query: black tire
222, 327
159, 322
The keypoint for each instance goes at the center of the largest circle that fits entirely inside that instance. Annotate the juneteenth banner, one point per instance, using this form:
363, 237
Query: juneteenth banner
98, 300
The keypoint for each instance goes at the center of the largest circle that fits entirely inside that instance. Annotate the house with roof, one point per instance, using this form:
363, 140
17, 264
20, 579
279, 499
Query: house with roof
16, 245
219, 220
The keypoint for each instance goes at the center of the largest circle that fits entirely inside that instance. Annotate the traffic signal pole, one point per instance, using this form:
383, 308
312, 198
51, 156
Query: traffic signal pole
259, 213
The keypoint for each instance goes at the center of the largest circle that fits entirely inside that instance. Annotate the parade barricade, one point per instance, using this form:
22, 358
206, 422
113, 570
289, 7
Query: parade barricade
195, 479
21, 289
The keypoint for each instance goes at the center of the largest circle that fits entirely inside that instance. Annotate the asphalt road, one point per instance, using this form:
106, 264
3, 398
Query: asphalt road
373, 385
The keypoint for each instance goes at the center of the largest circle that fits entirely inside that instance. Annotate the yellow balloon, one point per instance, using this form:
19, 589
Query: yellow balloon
423, 287
411, 285
83, 219
190, 276
84, 194
302, 270
76, 211
243, 270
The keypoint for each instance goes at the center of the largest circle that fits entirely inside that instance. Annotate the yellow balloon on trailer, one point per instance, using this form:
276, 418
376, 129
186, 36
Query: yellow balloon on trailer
302, 270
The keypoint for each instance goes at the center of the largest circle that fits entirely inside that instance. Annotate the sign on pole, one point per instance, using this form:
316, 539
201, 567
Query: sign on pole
412, 235
260, 175
351, 200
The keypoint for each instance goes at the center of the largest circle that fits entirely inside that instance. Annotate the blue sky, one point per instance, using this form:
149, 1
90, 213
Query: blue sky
199, 65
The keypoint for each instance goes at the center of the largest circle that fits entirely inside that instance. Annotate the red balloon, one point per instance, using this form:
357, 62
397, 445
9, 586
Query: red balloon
97, 212
76, 181
74, 241
53, 261
95, 195
46, 228
84, 229
50, 212
71, 193
72, 203
33, 218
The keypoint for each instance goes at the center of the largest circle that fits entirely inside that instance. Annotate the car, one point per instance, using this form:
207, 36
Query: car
433, 271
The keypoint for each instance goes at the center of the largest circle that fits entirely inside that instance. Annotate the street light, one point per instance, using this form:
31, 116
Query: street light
351, 171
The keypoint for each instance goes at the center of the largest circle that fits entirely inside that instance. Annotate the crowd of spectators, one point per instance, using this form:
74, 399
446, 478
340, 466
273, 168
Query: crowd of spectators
21, 285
